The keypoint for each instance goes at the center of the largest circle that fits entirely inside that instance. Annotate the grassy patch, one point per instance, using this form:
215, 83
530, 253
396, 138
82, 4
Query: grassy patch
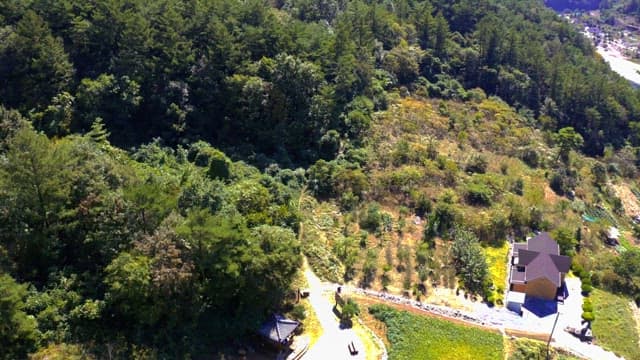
614, 327
417, 337
371, 347
497, 261
525, 349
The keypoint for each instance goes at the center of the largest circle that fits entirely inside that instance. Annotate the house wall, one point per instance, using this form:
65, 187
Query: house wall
541, 288
519, 287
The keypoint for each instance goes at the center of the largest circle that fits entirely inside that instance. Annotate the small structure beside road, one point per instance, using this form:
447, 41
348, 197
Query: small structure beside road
515, 300
279, 331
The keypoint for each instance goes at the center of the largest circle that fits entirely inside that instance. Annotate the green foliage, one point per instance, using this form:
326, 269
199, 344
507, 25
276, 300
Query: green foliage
348, 310
627, 269
371, 220
526, 349
18, 333
588, 316
477, 164
61, 352
35, 65
443, 218
36, 186
566, 239
298, 312
370, 266
563, 181
612, 327
531, 157
419, 337
469, 261
567, 140
158, 251
479, 194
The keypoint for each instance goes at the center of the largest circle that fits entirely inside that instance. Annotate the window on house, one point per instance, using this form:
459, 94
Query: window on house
520, 268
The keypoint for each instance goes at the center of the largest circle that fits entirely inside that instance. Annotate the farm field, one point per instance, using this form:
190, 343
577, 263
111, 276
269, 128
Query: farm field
612, 327
417, 337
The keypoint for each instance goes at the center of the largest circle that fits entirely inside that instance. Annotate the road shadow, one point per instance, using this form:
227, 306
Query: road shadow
540, 307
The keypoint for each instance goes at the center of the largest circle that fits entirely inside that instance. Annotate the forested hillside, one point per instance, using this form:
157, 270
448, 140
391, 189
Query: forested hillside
275, 82
157, 157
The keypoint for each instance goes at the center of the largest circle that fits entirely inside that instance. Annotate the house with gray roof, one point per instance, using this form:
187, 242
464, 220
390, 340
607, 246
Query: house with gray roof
537, 268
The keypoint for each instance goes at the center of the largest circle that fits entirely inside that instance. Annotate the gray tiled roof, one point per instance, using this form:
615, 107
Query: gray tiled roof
278, 328
517, 276
542, 258
526, 256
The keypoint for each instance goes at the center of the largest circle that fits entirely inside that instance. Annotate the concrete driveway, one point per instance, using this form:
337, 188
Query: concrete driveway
539, 318
333, 343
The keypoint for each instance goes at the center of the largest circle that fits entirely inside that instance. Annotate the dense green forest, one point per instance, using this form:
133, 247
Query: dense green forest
284, 82
153, 153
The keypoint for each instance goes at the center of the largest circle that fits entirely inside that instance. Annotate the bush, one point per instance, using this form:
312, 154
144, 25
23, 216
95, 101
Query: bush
557, 184
588, 316
477, 164
518, 187
526, 349
586, 288
298, 312
587, 306
531, 157
349, 309
479, 194
423, 204
372, 219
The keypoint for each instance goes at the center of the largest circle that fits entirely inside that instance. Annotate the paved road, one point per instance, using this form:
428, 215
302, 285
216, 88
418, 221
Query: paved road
332, 345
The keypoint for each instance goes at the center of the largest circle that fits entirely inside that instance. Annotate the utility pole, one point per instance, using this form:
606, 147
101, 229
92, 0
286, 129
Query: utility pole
551, 335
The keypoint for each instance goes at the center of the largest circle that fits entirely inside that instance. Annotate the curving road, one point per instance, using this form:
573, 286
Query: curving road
333, 343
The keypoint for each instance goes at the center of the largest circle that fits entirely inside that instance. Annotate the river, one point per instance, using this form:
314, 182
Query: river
627, 69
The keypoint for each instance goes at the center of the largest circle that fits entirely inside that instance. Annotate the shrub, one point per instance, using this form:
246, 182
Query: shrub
588, 316
518, 187
587, 306
531, 157
586, 288
479, 194
349, 309
298, 312
423, 204
372, 219
557, 184
477, 164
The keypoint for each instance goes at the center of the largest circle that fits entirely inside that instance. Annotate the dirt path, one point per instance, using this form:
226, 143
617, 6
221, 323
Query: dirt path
333, 343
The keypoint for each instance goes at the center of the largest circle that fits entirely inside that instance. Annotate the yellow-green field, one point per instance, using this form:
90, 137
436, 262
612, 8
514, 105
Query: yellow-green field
419, 337
497, 261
